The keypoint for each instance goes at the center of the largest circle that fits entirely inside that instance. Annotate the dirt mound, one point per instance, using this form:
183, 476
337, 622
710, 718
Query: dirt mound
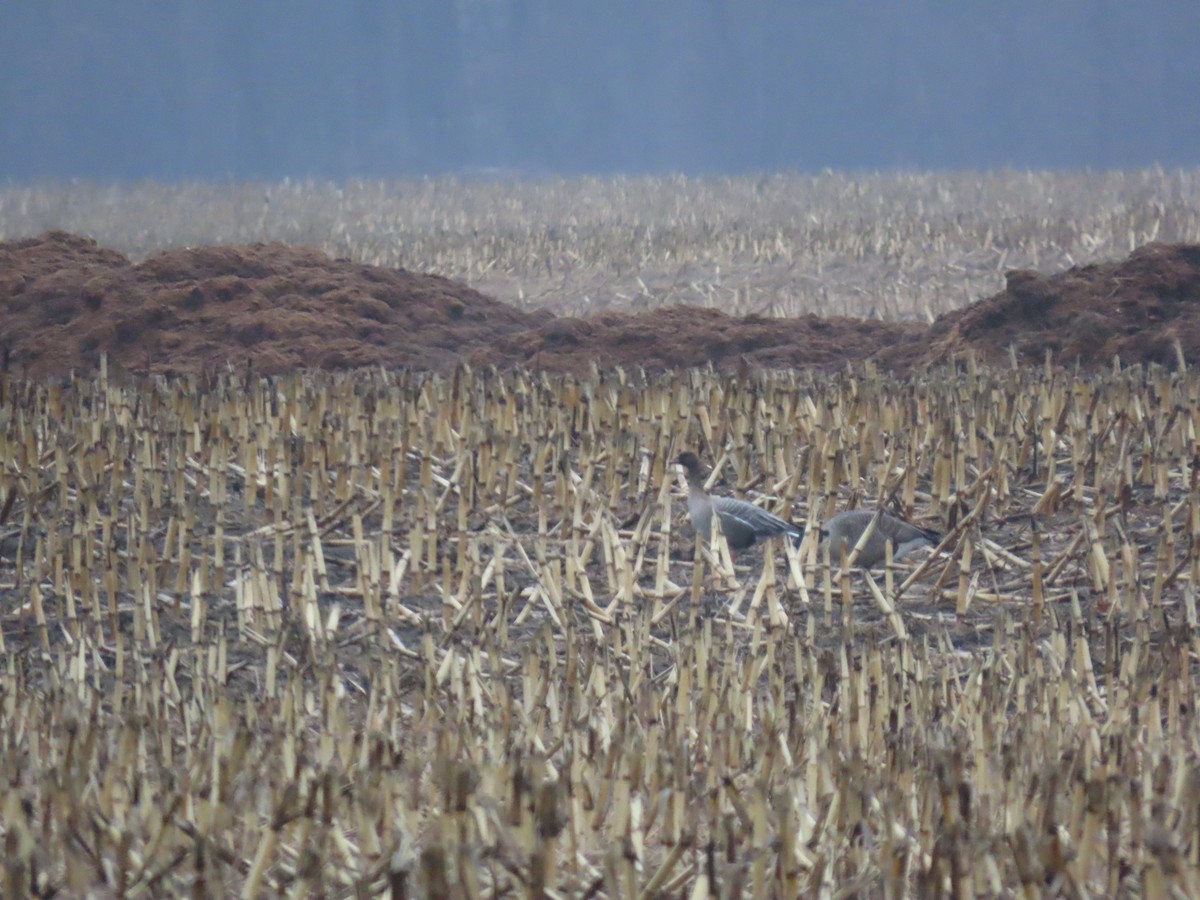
684, 336
1136, 308
64, 300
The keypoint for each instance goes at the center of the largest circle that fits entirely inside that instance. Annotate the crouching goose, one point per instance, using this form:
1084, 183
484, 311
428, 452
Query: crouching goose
742, 523
845, 528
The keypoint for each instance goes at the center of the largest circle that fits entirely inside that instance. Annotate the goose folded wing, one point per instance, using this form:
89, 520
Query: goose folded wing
755, 520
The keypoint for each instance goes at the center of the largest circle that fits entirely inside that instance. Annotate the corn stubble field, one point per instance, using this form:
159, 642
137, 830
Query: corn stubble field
877, 245
444, 636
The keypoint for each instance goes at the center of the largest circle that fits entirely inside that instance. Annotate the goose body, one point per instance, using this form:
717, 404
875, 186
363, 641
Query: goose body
844, 529
742, 523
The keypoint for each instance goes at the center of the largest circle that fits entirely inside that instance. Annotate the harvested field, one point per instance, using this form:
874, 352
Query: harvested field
886, 245
432, 621
323, 634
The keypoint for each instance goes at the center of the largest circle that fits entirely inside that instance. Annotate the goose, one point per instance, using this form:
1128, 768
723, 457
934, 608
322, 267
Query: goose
742, 523
845, 528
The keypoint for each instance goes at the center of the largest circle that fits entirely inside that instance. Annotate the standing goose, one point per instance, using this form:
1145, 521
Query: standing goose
742, 523
845, 528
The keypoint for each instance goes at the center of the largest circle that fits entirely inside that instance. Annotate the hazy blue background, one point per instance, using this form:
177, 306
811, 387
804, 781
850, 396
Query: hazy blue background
266, 89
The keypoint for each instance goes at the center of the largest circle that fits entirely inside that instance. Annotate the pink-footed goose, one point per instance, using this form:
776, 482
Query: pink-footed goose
845, 528
742, 523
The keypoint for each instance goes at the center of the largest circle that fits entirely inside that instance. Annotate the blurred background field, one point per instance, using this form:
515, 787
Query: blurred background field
885, 245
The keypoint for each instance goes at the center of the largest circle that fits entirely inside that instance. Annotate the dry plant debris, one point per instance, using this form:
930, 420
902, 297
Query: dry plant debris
64, 301
334, 634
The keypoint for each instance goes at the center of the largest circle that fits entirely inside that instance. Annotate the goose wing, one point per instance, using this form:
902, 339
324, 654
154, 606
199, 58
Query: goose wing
746, 522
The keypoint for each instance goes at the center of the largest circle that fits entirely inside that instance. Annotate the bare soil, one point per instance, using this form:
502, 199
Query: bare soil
275, 308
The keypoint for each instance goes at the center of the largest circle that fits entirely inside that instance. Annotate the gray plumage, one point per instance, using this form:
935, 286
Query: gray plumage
845, 528
742, 523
